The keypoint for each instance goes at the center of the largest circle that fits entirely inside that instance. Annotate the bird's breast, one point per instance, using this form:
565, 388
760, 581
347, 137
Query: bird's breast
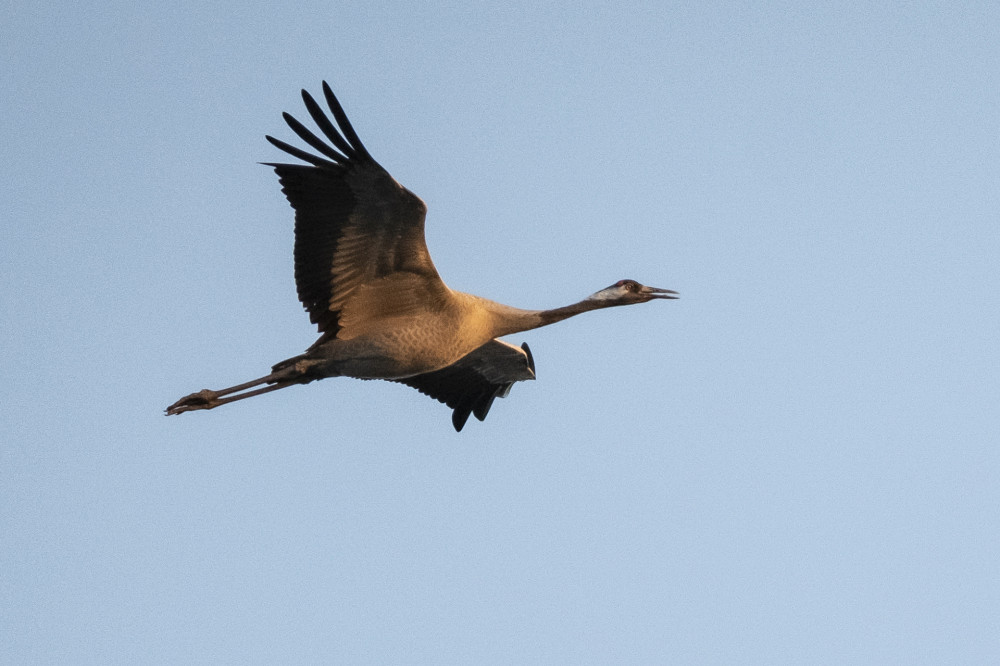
406, 346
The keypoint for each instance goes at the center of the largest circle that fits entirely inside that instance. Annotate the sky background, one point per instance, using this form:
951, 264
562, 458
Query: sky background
796, 462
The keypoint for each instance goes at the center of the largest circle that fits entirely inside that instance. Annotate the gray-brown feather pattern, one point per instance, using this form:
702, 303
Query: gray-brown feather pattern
353, 223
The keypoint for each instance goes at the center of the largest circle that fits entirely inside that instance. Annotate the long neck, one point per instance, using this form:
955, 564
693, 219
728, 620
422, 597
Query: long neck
509, 320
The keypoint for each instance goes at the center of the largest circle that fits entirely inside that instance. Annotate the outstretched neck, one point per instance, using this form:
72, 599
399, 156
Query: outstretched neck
513, 320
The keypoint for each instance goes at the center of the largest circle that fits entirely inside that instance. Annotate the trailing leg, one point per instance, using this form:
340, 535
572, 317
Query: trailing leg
286, 373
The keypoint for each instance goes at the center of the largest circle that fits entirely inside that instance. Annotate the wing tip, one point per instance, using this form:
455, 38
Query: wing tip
531, 359
459, 417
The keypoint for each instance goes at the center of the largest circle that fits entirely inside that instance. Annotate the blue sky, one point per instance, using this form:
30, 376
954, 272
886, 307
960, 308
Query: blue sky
795, 463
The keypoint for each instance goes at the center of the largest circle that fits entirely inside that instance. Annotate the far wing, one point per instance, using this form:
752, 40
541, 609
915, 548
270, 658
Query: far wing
354, 224
470, 385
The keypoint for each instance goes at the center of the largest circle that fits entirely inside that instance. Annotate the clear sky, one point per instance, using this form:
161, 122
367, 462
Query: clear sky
797, 462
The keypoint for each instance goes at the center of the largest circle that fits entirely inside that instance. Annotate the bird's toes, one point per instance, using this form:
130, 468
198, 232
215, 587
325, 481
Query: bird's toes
204, 399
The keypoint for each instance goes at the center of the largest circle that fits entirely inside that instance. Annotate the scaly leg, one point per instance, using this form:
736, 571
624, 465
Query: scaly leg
209, 399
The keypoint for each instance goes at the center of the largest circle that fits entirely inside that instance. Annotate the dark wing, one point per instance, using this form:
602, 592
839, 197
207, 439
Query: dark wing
354, 224
470, 384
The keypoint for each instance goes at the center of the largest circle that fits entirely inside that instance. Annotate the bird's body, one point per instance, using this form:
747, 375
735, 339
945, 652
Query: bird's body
363, 272
428, 338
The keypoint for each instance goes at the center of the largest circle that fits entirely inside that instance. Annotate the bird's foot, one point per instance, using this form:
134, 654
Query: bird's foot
203, 399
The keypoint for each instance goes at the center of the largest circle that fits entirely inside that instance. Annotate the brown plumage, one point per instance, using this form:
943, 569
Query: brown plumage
365, 276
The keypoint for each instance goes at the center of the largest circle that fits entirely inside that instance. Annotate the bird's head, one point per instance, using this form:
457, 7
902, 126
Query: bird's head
626, 292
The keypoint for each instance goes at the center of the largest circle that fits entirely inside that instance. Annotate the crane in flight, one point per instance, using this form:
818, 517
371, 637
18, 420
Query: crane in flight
363, 272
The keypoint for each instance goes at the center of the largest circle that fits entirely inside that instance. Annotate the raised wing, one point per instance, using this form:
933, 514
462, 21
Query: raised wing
354, 224
470, 385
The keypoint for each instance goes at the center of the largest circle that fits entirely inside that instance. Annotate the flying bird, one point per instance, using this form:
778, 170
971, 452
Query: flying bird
363, 272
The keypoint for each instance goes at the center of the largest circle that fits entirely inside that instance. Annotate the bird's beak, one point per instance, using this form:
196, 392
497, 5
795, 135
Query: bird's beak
654, 292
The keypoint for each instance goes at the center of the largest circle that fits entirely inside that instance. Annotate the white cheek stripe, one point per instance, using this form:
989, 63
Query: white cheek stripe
605, 295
